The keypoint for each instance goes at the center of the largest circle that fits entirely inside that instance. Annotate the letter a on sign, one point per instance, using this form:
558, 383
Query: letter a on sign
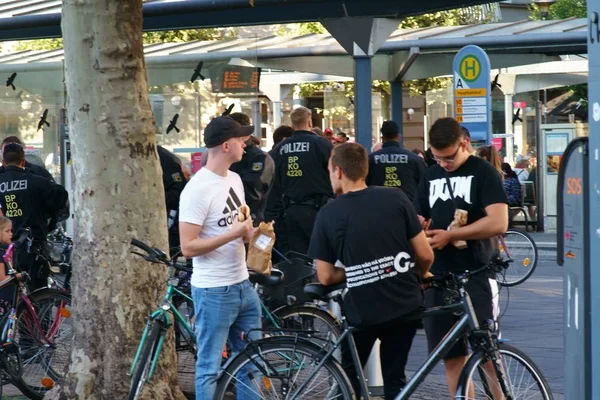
459, 83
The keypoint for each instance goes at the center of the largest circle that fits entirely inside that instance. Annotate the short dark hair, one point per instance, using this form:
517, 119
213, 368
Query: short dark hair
352, 159
240, 118
445, 132
389, 130
284, 131
466, 132
13, 153
12, 139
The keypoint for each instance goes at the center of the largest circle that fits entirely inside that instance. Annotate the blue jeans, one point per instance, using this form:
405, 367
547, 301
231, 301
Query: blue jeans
222, 313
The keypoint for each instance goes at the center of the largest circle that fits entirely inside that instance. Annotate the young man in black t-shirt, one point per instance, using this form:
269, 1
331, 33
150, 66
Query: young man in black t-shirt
384, 253
476, 187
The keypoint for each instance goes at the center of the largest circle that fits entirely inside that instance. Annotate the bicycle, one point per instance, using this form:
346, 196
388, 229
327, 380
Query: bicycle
59, 249
153, 337
520, 251
43, 337
288, 365
179, 302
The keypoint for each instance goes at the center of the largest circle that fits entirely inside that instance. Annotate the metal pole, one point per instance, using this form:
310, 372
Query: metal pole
257, 118
276, 114
363, 101
508, 127
397, 108
593, 234
539, 178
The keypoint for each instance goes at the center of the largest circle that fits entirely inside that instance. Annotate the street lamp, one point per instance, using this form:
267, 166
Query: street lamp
544, 6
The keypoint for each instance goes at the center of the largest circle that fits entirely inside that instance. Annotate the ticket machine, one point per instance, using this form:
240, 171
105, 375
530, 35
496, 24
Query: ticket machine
555, 138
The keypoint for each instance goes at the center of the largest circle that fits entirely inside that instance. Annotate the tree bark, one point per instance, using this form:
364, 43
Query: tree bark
118, 194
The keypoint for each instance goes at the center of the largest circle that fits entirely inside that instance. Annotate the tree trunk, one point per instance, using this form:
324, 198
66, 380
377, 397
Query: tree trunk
118, 195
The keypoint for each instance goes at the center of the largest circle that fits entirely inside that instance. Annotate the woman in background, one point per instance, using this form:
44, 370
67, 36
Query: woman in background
512, 186
420, 153
490, 153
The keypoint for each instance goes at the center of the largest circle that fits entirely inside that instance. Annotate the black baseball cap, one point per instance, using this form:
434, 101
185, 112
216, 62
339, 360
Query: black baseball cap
221, 129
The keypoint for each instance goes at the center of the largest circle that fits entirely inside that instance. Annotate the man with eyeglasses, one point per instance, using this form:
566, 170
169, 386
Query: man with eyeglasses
475, 187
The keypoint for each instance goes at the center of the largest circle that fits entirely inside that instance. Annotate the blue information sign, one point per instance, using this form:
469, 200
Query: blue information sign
472, 92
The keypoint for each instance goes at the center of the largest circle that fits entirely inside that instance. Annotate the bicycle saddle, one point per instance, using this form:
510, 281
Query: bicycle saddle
267, 280
317, 291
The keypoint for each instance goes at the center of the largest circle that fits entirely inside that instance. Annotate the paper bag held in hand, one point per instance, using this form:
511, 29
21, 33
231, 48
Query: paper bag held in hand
259, 251
460, 219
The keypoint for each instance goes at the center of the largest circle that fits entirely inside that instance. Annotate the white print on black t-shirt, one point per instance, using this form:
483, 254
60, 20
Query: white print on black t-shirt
232, 205
373, 271
461, 187
402, 262
391, 159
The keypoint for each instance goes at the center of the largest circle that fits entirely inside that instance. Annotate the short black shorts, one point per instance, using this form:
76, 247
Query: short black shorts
484, 300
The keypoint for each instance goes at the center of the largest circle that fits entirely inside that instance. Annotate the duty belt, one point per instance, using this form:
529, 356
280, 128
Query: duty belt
317, 202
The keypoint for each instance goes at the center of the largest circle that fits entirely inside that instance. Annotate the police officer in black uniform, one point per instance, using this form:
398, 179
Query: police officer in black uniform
394, 166
28, 200
174, 181
301, 179
256, 170
280, 134
34, 168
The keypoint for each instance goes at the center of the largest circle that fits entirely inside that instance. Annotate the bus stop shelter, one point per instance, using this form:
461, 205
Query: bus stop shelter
362, 28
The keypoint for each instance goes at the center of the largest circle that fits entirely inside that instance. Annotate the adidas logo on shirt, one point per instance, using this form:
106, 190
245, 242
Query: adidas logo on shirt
232, 206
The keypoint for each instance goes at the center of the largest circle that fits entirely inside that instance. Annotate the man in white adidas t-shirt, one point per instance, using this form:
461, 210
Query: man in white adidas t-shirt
226, 305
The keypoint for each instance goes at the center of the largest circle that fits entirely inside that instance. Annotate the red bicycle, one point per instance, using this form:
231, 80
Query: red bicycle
43, 330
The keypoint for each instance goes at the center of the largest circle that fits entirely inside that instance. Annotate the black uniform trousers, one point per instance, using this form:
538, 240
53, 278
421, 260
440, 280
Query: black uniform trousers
300, 220
36, 266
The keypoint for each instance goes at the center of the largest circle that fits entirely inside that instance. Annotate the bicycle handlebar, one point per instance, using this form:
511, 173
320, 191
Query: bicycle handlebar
142, 246
157, 256
496, 265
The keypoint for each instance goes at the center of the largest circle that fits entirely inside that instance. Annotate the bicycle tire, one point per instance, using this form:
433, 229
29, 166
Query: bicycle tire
504, 279
302, 311
13, 366
506, 351
37, 298
144, 361
280, 345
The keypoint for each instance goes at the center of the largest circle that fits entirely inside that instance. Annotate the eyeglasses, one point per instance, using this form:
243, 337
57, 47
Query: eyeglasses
449, 159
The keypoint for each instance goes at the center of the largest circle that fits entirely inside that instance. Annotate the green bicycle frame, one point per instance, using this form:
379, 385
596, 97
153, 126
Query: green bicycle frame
166, 307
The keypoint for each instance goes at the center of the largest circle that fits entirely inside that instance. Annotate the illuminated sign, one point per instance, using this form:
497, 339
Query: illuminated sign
235, 79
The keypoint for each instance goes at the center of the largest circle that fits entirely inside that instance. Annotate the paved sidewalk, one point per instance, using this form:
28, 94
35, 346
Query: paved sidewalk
544, 240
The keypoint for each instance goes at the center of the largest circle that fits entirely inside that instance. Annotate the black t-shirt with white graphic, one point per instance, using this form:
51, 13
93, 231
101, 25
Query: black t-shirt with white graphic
475, 185
375, 249
394, 166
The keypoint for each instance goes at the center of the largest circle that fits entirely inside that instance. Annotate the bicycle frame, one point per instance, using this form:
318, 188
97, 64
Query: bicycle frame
162, 314
466, 323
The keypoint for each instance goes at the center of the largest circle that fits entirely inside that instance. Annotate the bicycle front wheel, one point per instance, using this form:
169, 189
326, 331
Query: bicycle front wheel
277, 368
142, 369
44, 334
521, 250
522, 376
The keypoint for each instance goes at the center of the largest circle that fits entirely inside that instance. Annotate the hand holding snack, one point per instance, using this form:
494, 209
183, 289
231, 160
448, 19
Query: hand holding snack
439, 238
460, 219
243, 225
244, 213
